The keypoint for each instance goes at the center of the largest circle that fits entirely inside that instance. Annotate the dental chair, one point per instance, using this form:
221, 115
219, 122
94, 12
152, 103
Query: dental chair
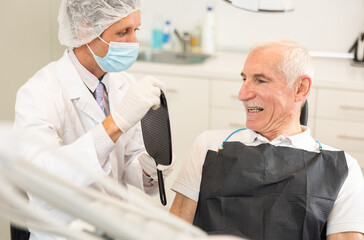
19, 233
304, 114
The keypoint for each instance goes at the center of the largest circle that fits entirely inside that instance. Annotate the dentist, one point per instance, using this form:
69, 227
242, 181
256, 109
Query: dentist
86, 105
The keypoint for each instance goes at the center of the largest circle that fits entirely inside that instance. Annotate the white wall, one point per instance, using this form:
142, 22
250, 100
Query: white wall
28, 31
4, 230
28, 36
320, 25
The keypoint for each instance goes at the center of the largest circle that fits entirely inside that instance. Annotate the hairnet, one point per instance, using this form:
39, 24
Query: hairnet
81, 21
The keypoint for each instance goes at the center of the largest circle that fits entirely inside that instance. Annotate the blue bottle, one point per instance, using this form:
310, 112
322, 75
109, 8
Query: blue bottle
157, 39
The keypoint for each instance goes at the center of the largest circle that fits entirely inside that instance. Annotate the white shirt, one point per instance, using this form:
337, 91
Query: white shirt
348, 211
103, 143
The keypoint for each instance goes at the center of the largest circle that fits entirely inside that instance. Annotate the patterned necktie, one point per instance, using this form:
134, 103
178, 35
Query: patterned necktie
99, 95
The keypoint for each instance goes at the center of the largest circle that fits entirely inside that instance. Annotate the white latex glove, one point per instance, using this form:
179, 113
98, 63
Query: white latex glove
143, 95
149, 166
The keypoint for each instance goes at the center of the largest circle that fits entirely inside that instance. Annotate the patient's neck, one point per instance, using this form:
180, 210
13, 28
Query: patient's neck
286, 131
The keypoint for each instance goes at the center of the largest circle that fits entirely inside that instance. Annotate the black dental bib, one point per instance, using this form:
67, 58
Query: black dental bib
269, 192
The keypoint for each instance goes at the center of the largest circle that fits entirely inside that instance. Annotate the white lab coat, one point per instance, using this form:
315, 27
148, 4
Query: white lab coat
56, 103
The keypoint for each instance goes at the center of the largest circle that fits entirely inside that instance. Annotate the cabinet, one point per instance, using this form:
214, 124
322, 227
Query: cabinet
227, 112
340, 121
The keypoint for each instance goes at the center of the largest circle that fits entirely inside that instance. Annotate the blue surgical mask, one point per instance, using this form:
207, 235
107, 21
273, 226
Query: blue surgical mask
119, 57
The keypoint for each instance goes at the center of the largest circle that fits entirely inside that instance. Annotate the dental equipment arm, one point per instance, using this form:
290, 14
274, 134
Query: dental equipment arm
263, 5
120, 215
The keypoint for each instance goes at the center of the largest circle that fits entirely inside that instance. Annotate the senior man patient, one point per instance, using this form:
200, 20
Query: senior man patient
271, 180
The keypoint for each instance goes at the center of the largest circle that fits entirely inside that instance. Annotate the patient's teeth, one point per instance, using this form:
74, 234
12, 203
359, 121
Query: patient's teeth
255, 109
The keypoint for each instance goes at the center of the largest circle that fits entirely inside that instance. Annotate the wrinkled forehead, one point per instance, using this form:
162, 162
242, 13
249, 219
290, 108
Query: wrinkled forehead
272, 54
265, 60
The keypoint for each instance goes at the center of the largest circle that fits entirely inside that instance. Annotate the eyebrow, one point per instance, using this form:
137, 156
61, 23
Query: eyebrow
257, 75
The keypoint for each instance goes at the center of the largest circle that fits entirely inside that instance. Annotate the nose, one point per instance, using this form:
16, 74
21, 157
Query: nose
133, 38
246, 92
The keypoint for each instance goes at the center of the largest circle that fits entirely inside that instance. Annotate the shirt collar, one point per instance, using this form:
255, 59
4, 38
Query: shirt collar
302, 140
90, 80
250, 136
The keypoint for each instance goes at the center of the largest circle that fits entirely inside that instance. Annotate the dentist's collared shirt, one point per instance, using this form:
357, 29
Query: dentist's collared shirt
103, 143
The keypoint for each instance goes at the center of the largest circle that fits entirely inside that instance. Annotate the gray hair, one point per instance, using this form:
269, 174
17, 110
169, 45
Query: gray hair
296, 59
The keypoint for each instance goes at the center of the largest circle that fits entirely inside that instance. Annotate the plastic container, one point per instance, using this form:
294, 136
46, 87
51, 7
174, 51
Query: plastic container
157, 39
208, 32
167, 35
157, 34
196, 39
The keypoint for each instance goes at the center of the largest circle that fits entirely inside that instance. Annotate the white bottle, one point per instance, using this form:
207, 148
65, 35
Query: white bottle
167, 35
208, 32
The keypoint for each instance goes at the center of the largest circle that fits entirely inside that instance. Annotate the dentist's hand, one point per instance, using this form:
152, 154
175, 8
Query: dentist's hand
143, 95
149, 166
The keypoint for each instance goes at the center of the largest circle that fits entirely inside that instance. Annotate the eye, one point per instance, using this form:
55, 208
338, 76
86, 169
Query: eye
127, 31
261, 80
123, 33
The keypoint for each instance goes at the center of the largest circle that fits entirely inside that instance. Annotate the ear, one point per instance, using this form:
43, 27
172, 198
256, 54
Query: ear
302, 88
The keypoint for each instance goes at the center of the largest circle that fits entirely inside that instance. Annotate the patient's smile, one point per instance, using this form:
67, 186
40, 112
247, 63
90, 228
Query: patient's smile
254, 109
